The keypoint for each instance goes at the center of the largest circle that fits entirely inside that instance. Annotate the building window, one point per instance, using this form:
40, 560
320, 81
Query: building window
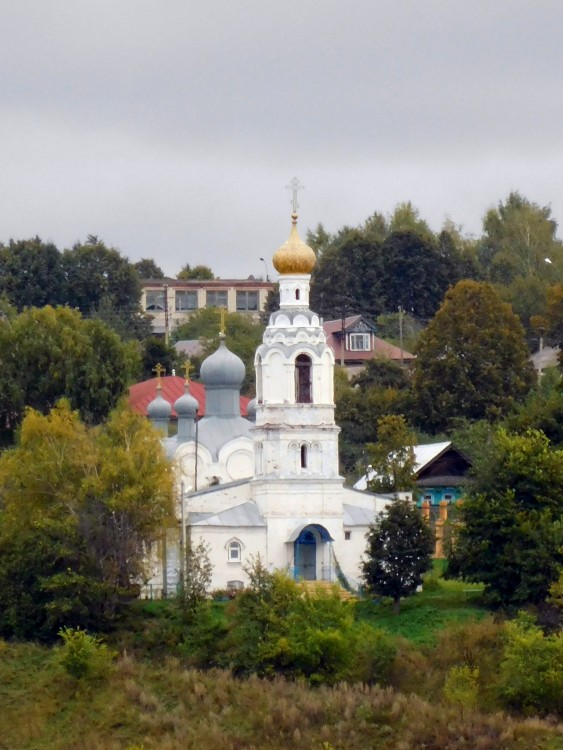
217, 299
297, 294
304, 456
247, 301
235, 585
154, 300
186, 300
448, 497
303, 379
347, 535
234, 552
359, 342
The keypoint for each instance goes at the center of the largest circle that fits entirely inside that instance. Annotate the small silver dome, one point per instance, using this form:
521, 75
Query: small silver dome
222, 368
251, 410
186, 405
159, 408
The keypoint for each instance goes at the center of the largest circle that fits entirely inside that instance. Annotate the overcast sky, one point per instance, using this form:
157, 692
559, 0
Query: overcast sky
170, 128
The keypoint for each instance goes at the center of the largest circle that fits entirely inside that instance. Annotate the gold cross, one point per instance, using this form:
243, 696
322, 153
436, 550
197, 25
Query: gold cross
222, 312
187, 368
159, 370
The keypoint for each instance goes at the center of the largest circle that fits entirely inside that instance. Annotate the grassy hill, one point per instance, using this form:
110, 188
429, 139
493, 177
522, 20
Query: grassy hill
162, 705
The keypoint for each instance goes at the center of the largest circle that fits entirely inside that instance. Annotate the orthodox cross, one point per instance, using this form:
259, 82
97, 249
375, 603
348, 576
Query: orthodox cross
295, 186
222, 312
187, 368
159, 370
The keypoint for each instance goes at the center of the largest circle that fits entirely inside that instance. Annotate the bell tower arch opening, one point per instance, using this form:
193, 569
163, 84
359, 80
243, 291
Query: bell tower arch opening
303, 380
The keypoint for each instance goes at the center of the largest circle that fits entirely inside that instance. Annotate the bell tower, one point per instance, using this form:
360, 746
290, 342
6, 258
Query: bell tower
295, 437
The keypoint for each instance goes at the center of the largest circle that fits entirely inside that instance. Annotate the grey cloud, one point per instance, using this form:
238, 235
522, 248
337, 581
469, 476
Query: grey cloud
171, 128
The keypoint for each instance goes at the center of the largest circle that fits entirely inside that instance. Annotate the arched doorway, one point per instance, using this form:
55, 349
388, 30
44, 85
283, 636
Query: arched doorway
309, 552
306, 556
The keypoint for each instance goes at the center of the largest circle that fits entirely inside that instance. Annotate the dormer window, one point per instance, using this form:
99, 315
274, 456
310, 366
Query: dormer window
359, 342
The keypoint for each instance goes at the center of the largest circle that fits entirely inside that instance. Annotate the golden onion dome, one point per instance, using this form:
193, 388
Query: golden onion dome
294, 256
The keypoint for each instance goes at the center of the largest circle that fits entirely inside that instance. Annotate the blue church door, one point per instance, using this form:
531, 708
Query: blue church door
306, 556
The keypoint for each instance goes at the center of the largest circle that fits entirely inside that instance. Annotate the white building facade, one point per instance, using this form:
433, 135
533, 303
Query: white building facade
272, 488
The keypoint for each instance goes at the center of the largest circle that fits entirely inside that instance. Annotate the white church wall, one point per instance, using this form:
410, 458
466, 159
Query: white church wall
217, 499
349, 551
235, 461
252, 541
298, 497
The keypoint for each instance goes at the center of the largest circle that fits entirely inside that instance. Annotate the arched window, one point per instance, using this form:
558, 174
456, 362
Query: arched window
297, 294
234, 552
303, 379
304, 456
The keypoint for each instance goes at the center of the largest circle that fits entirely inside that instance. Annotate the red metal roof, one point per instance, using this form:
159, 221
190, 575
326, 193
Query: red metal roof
141, 394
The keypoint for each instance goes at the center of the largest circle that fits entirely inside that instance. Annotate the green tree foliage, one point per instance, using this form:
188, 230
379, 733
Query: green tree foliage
80, 508
472, 359
389, 325
381, 389
460, 251
155, 350
148, 269
91, 277
357, 412
462, 686
528, 297
406, 218
272, 303
518, 236
94, 272
196, 579
554, 316
50, 353
399, 550
130, 324
531, 671
319, 239
197, 272
415, 274
279, 629
392, 457
84, 656
356, 263
381, 373
510, 535
244, 335
542, 409
32, 274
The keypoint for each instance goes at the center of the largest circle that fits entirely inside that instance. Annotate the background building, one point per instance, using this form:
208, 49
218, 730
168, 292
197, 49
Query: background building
170, 301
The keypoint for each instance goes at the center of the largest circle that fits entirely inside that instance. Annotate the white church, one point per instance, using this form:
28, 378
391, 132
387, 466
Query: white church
268, 485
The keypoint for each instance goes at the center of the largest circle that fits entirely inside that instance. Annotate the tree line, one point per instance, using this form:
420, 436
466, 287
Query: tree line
387, 263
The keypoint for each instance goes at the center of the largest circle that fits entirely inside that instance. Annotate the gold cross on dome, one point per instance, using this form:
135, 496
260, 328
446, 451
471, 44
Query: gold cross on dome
222, 312
295, 186
159, 370
187, 368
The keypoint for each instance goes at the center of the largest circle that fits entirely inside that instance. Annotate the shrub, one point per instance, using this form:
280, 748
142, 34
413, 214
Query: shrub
83, 655
462, 686
372, 657
532, 669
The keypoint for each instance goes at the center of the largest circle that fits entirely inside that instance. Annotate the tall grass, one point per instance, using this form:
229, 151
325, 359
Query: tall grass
164, 706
